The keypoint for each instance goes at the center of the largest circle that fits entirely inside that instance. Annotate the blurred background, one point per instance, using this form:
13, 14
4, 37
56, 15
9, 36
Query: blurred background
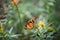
17, 20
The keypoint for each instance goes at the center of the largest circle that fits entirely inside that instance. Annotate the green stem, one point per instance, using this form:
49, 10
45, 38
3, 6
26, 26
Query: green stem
16, 9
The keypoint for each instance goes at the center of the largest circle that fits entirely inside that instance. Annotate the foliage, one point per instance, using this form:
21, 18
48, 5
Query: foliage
21, 10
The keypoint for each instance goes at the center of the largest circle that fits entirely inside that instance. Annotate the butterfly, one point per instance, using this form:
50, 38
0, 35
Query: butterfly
30, 23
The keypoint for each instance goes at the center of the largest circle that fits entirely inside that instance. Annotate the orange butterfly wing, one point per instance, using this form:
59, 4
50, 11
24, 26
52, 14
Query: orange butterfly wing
13, 2
29, 26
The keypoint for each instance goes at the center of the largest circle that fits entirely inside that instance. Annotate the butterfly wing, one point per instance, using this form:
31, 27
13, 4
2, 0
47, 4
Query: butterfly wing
30, 23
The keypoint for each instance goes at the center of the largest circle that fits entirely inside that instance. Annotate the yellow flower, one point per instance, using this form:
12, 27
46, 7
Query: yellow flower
41, 24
